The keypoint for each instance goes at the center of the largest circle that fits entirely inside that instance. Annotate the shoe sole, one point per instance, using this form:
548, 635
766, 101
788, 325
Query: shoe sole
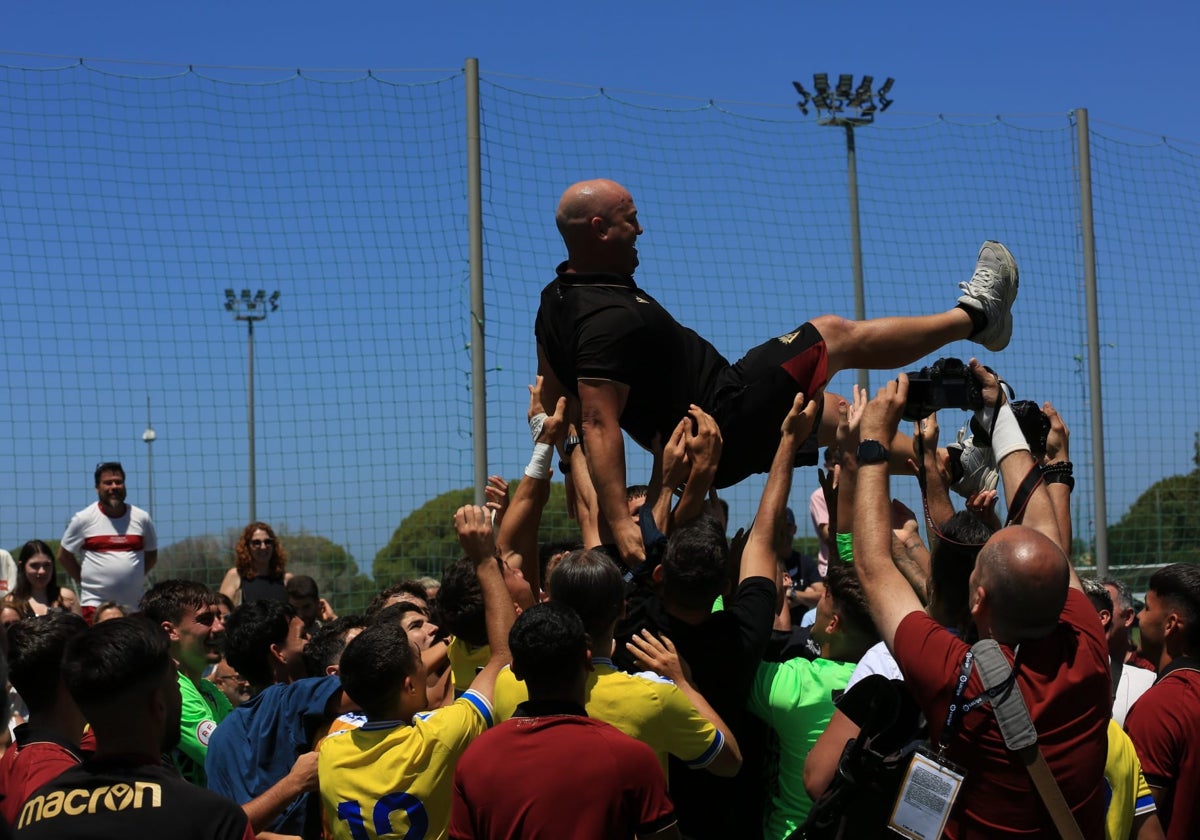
1006, 334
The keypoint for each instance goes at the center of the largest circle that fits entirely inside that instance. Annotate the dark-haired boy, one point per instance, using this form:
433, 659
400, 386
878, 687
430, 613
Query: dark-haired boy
393, 773
187, 611
121, 675
49, 743
557, 751
1164, 723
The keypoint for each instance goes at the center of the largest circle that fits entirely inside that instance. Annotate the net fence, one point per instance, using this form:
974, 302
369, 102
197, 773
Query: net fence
134, 200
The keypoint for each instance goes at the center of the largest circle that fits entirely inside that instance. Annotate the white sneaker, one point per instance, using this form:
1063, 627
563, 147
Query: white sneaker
976, 467
992, 290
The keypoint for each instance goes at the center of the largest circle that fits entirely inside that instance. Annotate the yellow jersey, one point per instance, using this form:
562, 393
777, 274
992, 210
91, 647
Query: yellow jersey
465, 662
1128, 792
644, 706
389, 779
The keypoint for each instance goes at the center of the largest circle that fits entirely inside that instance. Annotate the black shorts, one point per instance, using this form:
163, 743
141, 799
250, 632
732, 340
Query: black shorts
755, 395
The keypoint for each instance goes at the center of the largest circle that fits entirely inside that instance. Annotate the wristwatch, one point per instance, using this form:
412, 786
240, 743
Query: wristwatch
570, 443
872, 452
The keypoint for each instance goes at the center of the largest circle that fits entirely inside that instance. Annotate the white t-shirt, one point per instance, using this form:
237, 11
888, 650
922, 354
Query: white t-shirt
111, 554
1133, 684
877, 660
8, 573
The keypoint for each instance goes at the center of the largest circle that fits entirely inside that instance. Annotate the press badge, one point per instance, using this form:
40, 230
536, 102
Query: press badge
926, 797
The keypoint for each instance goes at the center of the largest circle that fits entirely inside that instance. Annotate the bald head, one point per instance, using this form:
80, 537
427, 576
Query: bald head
1024, 577
598, 223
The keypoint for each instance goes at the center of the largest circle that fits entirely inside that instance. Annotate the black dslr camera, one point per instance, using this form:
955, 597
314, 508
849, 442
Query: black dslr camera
947, 383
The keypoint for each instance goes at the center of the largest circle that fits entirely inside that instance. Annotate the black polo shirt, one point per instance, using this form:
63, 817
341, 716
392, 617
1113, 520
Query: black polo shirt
603, 326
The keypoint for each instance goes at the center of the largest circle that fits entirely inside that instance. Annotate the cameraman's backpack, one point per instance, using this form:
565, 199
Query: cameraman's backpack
859, 800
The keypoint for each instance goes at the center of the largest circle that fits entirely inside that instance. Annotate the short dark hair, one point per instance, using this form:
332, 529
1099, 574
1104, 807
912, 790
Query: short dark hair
250, 631
636, 491
410, 587
1179, 585
550, 548
397, 611
112, 660
590, 583
548, 644
460, 602
109, 466
374, 665
953, 559
841, 579
302, 586
1100, 597
695, 568
1124, 595
326, 644
35, 652
168, 600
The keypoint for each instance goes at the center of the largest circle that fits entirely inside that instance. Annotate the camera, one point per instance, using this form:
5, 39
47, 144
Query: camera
947, 383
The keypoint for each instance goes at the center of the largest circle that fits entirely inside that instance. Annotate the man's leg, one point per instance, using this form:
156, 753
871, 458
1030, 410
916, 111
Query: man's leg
983, 315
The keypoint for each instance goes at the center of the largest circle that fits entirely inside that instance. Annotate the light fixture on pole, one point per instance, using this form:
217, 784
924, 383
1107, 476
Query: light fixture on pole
251, 308
850, 108
149, 437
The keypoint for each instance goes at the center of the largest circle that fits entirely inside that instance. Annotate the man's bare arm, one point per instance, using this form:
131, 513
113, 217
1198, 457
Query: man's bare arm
68, 562
601, 403
759, 557
889, 594
474, 527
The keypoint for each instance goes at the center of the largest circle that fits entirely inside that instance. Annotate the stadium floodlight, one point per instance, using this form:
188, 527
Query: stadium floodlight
845, 82
805, 98
884, 102
251, 308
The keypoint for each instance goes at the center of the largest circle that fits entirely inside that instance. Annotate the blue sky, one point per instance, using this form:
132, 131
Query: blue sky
947, 58
1126, 63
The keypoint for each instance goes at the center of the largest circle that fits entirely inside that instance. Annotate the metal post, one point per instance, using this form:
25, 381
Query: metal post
1088, 233
251, 308
475, 236
250, 421
860, 305
149, 437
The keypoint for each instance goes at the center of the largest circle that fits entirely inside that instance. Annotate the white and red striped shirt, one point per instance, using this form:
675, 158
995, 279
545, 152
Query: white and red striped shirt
111, 553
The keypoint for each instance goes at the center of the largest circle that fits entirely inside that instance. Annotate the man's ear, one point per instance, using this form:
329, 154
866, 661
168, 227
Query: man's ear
835, 623
277, 654
1106, 619
171, 631
657, 574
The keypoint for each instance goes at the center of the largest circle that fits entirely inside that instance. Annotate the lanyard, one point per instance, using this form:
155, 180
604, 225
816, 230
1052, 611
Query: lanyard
959, 707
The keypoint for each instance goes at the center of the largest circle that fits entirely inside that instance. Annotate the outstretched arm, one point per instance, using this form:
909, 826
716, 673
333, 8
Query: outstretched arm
888, 593
518, 536
758, 557
702, 440
1016, 462
475, 535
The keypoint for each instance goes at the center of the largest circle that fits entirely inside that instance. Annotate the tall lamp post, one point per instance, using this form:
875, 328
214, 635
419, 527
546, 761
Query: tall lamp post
149, 436
251, 308
850, 108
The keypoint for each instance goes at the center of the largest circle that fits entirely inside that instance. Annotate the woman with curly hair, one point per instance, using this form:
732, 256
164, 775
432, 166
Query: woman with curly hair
37, 580
260, 571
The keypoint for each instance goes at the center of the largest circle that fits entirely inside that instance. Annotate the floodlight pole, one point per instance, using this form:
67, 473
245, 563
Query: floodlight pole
832, 106
251, 309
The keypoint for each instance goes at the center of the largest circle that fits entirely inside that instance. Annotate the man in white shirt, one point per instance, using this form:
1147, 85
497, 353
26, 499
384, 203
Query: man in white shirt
118, 543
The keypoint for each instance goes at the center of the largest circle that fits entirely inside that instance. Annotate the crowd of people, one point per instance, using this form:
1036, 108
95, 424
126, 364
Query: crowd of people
924, 675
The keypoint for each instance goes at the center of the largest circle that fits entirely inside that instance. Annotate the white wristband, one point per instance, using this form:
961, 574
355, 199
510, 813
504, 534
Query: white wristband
535, 425
1007, 436
539, 464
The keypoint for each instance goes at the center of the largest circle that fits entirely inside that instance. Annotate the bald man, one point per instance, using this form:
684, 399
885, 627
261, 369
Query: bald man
1023, 593
606, 342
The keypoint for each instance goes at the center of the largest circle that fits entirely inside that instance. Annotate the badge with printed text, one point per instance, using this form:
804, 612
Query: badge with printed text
926, 797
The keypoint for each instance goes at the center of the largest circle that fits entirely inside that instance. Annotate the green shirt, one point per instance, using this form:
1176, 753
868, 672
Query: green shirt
203, 709
795, 698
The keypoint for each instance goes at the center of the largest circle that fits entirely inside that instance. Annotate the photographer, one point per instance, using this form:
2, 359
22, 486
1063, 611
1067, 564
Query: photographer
1023, 592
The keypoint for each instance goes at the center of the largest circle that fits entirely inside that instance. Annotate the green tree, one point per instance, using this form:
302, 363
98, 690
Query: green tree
208, 557
1162, 526
425, 542
205, 558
